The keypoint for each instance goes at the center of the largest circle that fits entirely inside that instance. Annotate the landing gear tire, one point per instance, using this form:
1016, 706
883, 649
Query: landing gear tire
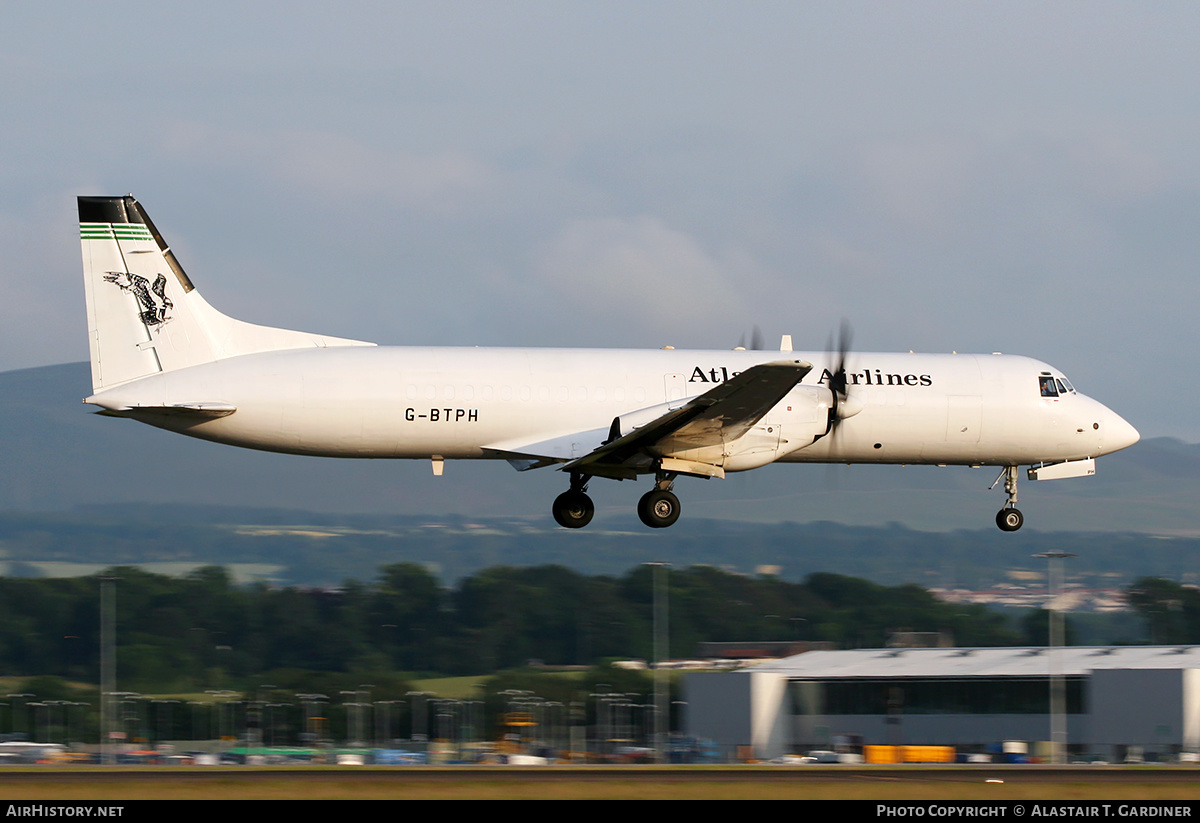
1009, 519
658, 508
573, 510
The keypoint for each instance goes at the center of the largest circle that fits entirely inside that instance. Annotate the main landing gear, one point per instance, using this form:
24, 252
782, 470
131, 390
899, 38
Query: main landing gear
573, 509
1009, 518
658, 508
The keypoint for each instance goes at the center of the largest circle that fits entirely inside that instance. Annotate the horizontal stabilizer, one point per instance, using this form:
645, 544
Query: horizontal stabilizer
199, 411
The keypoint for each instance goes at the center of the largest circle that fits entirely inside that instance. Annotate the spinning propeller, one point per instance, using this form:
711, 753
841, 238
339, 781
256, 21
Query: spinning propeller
756, 340
842, 406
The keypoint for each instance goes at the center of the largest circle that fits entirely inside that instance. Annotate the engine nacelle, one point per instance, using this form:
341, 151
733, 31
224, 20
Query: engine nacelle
795, 422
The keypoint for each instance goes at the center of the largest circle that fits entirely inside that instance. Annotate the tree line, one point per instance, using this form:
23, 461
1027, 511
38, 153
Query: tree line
203, 630
320, 549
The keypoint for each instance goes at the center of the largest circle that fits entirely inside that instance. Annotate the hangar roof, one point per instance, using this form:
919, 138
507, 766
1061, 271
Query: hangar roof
1033, 661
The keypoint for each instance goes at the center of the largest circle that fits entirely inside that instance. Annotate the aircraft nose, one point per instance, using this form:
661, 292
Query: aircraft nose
1115, 432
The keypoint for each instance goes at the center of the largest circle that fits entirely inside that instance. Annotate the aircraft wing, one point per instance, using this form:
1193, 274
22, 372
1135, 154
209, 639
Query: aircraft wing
723, 413
720, 415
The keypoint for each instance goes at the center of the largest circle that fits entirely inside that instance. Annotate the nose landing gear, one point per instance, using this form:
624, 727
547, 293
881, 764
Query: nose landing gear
1009, 518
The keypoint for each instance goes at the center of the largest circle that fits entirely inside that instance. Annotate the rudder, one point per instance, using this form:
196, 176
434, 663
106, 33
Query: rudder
144, 314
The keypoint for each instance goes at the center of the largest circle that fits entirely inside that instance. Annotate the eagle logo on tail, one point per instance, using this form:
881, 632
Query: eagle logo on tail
151, 297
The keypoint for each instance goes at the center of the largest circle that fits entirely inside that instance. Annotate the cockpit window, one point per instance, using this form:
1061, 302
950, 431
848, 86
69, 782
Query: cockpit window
1051, 386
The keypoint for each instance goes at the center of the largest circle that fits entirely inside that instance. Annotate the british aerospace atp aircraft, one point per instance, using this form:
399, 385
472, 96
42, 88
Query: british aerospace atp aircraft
160, 354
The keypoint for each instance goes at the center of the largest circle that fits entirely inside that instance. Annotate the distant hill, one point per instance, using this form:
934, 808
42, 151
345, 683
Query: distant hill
291, 547
57, 455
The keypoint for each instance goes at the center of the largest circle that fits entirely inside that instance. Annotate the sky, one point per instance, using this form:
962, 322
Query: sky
974, 177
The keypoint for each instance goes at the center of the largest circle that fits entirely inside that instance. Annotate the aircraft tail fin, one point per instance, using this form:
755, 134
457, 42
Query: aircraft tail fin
144, 314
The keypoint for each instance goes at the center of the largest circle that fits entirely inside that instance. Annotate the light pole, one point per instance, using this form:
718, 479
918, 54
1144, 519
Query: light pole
68, 705
108, 667
364, 720
14, 706
256, 723
383, 723
311, 703
222, 697
661, 651
164, 719
197, 707
418, 716
1058, 701
605, 700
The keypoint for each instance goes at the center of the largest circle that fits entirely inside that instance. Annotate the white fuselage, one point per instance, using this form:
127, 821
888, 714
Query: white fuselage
401, 402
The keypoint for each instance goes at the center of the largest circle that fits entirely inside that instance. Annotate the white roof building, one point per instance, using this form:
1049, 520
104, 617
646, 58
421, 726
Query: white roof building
1116, 697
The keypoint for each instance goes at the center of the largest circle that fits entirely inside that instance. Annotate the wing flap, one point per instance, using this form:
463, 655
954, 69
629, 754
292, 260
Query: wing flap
720, 415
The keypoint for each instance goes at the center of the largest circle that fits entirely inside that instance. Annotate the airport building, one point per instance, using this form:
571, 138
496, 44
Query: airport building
1118, 700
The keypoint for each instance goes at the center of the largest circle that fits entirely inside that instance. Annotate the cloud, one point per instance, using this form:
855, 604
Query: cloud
443, 181
639, 270
43, 305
